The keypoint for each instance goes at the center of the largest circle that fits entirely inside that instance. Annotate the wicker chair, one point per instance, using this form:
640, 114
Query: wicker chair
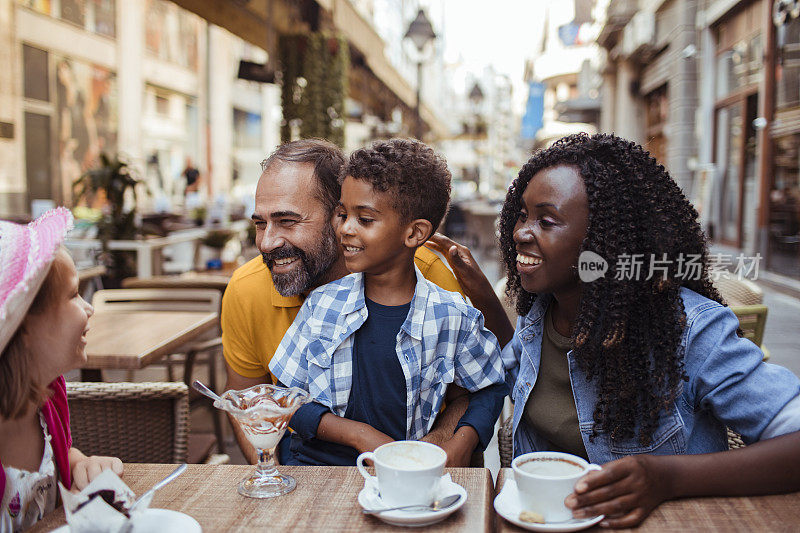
739, 291
505, 442
137, 422
753, 322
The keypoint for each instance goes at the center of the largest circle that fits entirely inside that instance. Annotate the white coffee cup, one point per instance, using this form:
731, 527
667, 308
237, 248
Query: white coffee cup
545, 479
408, 471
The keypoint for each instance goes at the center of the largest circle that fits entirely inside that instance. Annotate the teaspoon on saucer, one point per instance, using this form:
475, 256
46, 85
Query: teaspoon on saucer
437, 505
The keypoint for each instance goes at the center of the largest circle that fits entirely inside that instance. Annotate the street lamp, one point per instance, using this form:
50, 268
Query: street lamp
420, 32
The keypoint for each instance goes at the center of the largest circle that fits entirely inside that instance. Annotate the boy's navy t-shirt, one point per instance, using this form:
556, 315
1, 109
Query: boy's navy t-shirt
377, 395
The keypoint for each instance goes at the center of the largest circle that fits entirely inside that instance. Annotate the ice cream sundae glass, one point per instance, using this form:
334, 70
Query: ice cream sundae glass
263, 412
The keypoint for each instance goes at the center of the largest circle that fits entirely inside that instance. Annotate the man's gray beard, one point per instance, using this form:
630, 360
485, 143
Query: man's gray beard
314, 264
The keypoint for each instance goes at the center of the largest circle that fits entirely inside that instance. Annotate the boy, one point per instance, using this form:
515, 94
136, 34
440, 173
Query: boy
377, 348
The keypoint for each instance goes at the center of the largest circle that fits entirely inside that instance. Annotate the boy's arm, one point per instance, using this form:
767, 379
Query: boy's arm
316, 420
456, 403
484, 405
479, 369
475, 428
358, 435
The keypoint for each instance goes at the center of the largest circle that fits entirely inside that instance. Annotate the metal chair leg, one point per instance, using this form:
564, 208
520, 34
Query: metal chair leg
216, 414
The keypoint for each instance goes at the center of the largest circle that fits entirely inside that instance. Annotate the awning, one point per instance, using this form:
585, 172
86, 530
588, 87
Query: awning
260, 21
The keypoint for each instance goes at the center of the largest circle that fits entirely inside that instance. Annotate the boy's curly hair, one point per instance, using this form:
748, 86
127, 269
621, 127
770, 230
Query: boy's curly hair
416, 177
627, 336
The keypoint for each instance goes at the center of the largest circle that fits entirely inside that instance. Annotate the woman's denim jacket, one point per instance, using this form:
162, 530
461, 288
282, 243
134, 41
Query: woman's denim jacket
728, 385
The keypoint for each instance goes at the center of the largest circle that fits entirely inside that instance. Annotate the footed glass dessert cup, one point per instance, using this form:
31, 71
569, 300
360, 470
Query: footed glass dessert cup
263, 412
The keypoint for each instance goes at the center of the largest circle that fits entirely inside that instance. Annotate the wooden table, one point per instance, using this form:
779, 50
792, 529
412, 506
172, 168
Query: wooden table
187, 280
325, 500
133, 340
752, 513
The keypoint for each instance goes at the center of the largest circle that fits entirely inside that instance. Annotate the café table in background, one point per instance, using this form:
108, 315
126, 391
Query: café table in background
325, 500
132, 340
210, 279
751, 513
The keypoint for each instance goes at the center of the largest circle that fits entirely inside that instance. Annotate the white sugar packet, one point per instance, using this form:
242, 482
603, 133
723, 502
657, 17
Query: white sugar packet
97, 515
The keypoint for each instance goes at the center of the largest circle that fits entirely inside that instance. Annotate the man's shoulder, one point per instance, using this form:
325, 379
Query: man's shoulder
425, 258
250, 285
252, 272
435, 269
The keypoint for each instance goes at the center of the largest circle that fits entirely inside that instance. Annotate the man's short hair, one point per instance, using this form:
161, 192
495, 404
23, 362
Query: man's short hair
416, 177
327, 159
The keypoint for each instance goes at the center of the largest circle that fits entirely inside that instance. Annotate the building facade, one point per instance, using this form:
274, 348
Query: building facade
147, 80
650, 79
710, 88
568, 63
158, 82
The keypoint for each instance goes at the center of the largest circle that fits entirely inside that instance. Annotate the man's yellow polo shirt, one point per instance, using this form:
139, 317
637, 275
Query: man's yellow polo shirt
255, 317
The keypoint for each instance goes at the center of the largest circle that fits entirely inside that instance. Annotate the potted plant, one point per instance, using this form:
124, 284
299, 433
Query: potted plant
111, 186
216, 240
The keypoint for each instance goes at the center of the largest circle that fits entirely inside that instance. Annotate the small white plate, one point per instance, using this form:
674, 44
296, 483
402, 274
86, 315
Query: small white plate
414, 518
162, 520
507, 505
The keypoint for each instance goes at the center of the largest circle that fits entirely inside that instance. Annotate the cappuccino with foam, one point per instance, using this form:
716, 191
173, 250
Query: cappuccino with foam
551, 467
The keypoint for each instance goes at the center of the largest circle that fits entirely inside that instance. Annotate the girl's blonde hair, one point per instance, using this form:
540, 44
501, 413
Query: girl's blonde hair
18, 370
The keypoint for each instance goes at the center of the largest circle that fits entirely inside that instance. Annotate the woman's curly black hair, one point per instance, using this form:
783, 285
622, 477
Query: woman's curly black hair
627, 336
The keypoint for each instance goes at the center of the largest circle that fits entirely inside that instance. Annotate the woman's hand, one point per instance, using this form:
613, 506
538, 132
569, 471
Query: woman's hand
475, 285
468, 273
625, 490
85, 469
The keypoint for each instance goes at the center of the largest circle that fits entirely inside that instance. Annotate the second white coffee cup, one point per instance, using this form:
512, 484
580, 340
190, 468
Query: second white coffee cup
545, 479
407, 471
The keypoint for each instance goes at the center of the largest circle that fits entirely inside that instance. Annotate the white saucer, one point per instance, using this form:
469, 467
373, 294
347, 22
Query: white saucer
507, 505
162, 520
368, 500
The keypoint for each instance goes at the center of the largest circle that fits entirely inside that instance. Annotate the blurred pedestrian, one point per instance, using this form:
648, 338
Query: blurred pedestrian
192, 176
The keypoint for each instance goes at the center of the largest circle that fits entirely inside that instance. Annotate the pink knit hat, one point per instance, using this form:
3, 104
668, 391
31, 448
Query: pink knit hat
26, 253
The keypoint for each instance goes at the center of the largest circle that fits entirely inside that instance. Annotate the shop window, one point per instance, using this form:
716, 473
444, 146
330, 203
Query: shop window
787, 72
740, 50
44, 7
162, 105
38, 169
729, 146
784, 212
740, 66
656, 116
246, 129
172, 34
74, 11
98, 16
36, 81
104, 17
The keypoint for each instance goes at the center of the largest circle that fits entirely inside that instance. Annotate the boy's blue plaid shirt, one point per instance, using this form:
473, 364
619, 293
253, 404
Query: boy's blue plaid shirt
442, 340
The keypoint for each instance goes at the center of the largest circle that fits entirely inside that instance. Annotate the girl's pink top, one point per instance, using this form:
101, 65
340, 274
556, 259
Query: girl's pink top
56, 414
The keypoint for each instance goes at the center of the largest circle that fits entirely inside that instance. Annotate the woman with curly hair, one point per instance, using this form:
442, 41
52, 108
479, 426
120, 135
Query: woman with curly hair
638, 371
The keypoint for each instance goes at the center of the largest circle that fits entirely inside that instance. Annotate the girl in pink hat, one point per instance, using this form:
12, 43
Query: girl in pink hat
43, 324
